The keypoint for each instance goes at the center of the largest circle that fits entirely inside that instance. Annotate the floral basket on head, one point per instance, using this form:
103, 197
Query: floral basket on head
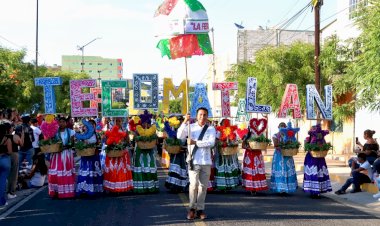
147, 137
116, 146
49, 129
171, 143
288, 144
84, 149
259, 142
316, 144
228, 140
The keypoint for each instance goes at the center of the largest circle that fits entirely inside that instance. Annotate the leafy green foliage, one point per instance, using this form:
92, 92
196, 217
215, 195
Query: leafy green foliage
173, 142
260, 139
366, 68
117, 147
49, 142
145, 138
318, 147
80, 145
289, 145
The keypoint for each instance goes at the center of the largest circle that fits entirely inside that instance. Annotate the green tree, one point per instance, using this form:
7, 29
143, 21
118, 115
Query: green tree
175, 106
366, 68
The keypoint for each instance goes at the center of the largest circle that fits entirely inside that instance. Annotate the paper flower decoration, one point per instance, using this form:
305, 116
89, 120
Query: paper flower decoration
168, 129
289, 133
49, 128
134, 122
146, 132
174, 122
88, 133
114, 136
227, 132
317, 135
258, 126
146, 117
160, 124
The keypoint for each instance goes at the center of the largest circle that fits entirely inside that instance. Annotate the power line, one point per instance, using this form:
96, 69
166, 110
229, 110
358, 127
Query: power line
2, 37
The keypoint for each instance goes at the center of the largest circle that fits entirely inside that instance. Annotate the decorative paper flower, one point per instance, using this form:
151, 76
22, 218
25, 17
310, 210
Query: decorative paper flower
134, 122
227, 132
317, 135
146, 117
168, 129
174, 122
160, 124
49, 128
88, 133
146, 132
289, 133
114, 136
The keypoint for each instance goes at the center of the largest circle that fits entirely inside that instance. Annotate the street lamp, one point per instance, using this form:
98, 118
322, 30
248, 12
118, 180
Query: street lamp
81, 48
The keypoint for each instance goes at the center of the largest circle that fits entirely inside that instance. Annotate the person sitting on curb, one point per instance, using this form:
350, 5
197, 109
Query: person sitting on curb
358, 176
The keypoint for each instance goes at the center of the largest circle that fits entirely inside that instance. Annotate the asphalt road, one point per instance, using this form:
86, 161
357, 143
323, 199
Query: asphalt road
231, 208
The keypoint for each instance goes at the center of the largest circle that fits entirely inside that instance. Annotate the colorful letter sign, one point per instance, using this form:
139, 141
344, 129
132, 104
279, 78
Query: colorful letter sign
325, 109
96, 91
169, 87
145, 91
107, 98
49, 95
200, 99
242, 114
225, 88
251, 98
77, 98
291, 101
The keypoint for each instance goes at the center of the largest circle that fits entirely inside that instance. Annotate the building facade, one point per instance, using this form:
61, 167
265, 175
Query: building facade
250, 41
97, 67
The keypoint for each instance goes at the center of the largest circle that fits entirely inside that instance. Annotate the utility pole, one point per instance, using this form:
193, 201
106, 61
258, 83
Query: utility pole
317, 51
317, 31
213, 66
81, 48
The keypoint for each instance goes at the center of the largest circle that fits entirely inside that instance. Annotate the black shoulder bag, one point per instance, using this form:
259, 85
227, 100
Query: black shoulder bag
191, 164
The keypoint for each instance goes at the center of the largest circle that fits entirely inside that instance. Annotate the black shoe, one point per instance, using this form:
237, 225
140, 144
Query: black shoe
201, 214
355, 190
315, 196
340, 192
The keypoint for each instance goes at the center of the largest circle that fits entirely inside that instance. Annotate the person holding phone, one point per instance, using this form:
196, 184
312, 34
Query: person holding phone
370, 149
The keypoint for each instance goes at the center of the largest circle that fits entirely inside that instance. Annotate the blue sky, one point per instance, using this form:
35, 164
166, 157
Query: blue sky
127, 30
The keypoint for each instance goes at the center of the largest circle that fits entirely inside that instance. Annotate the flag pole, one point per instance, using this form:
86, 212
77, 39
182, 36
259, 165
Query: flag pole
187, 99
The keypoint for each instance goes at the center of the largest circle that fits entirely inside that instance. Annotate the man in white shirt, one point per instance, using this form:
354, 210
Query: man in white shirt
201, 158
36, 134
359, 176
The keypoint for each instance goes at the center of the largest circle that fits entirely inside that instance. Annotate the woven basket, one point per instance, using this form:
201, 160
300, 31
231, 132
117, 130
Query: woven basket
258, 145
115, 153
174, 149
86, 152
52, 148
319, 154
289, 152
229, 150
146, 144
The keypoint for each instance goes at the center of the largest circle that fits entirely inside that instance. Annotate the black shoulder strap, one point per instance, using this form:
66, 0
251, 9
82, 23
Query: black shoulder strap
204, 129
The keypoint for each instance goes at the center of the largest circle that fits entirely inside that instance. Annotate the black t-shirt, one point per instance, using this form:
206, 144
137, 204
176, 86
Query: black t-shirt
28, 136
373, 147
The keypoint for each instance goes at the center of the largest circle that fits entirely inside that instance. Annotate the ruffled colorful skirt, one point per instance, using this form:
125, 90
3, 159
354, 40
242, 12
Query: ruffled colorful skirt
61, 175
118, 174
253, 176
90, 176
284, 176
177, 179
227, 172
145, 171
316, 176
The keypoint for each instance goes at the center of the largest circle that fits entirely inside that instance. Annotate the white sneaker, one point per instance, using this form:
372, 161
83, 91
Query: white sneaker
376, 196
10, 196
3, 206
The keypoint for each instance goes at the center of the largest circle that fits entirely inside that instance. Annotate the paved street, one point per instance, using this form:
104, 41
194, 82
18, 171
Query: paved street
231, 208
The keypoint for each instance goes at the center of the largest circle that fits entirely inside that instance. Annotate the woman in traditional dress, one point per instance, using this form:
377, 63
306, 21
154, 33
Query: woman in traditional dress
284, 177
90, 175
117, 170
145, 169
227, 173
316, 175
253, 176
178, 179
61, 175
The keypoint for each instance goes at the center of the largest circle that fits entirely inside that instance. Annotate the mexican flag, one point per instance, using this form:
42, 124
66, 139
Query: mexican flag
183, 27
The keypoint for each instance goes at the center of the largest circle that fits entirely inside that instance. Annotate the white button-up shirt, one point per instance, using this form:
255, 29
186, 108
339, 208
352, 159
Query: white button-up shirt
203, 154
